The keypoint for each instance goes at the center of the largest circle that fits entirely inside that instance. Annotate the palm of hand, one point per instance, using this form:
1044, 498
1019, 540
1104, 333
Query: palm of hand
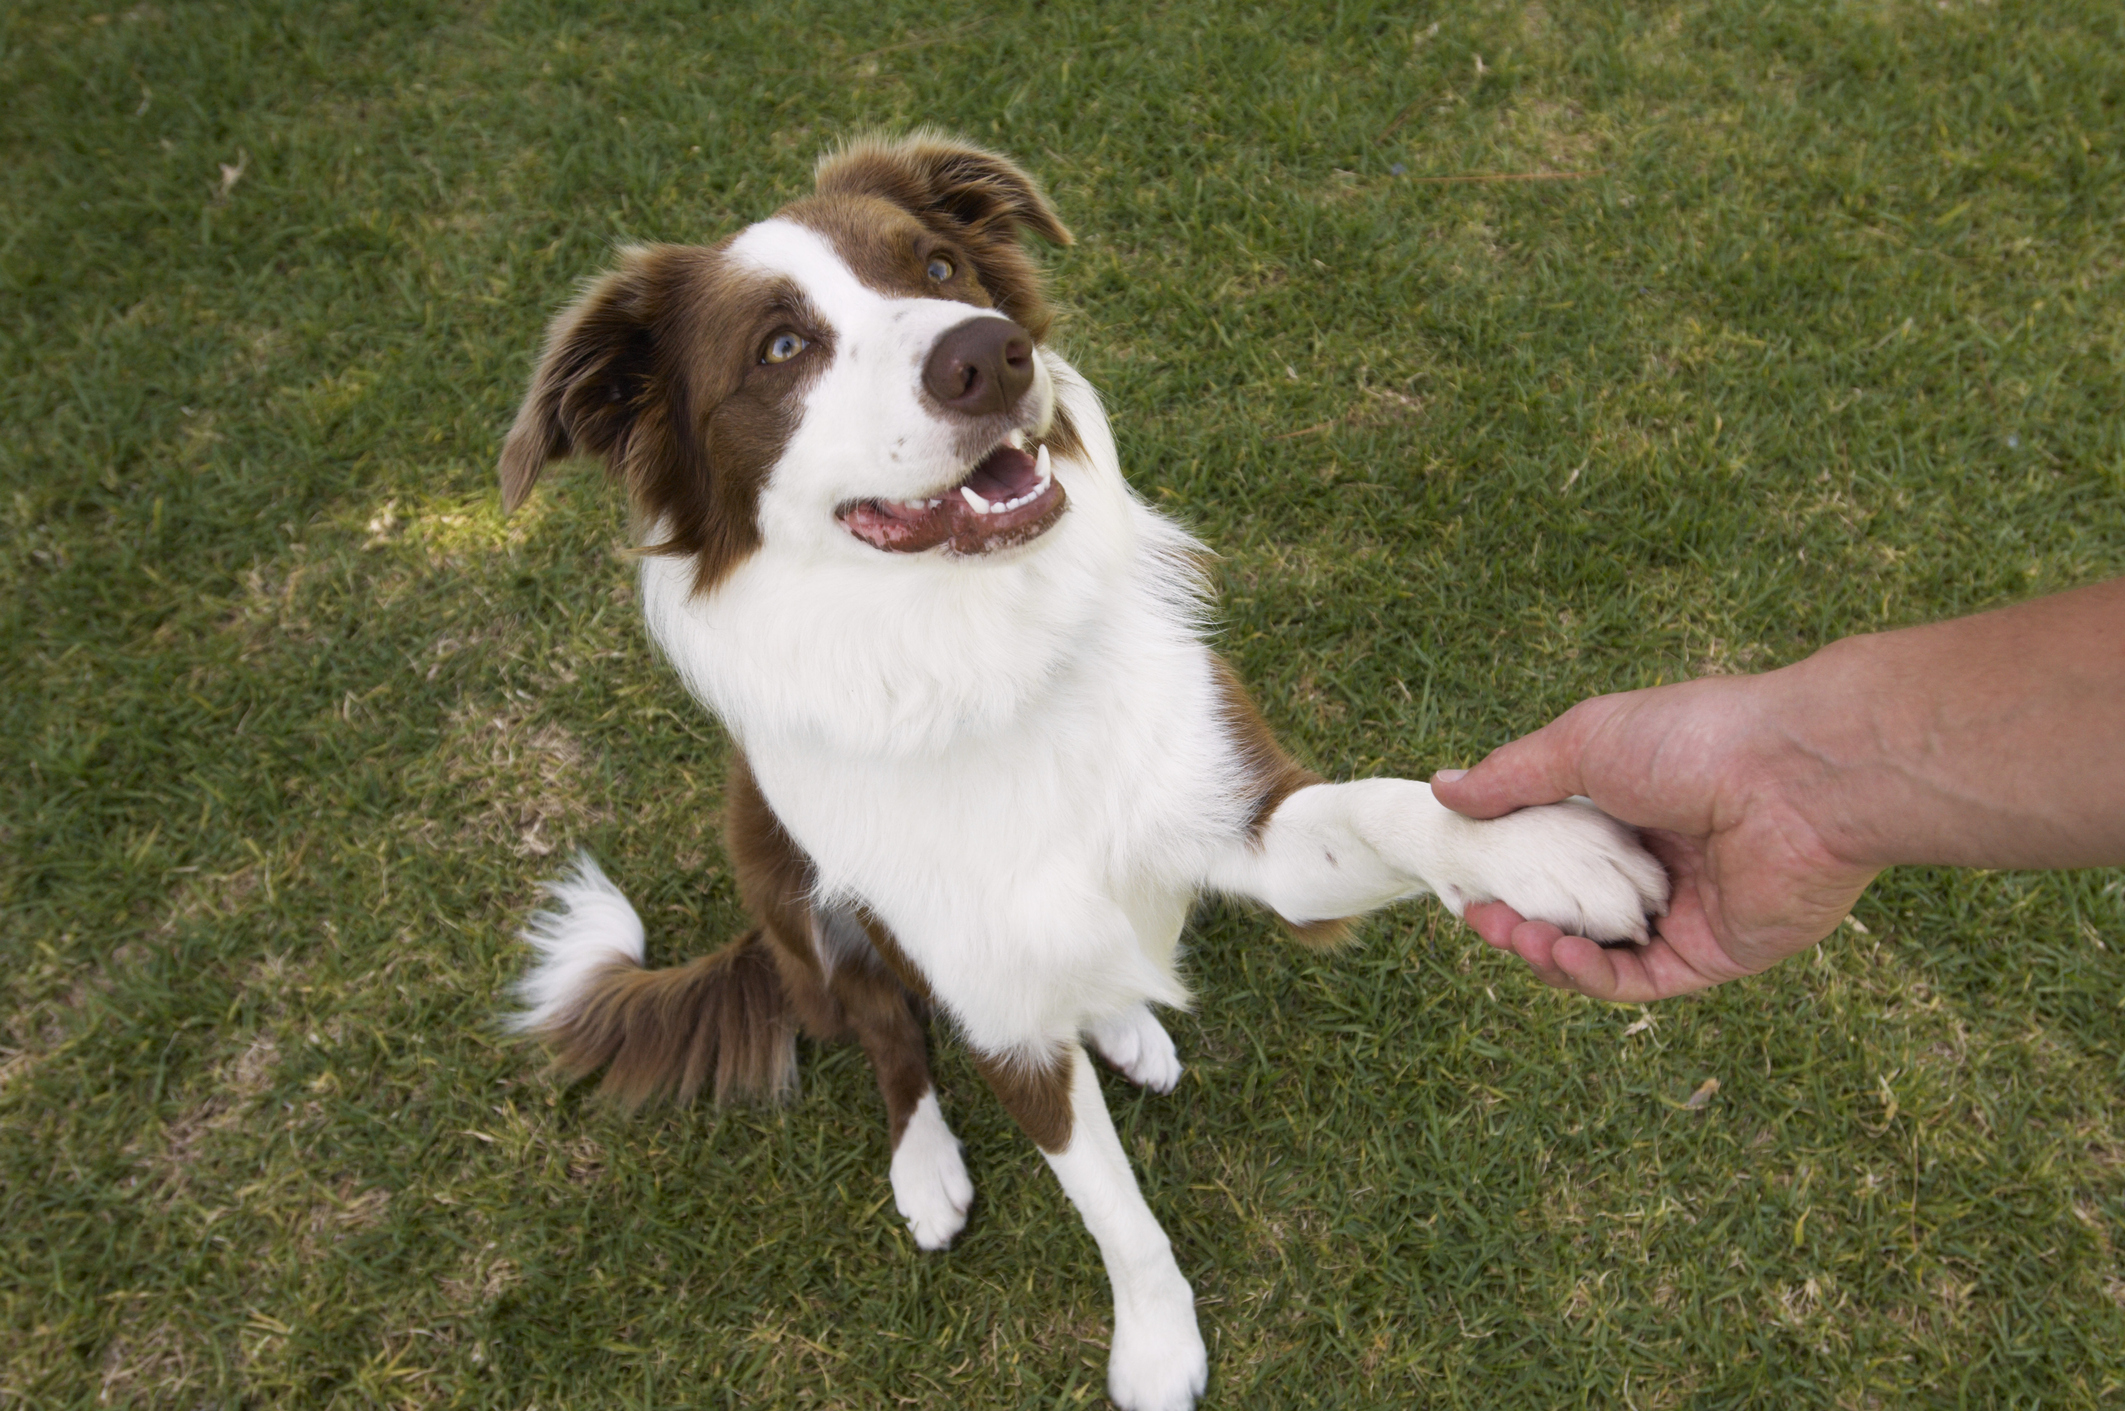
1753, 883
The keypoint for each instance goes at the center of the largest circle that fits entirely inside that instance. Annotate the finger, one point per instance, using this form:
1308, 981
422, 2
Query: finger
1555, 957
1503, 928
1538, 768
1619, 974
1660, 969
1535, 942
1494, 922
1627, 974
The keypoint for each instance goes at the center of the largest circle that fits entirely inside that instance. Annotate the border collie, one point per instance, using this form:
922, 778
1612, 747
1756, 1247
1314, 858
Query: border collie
984, 759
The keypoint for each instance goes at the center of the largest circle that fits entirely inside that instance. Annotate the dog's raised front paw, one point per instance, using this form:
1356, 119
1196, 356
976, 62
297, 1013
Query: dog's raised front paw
1158, 1362
1136, 1043
930, 1185
1568, 864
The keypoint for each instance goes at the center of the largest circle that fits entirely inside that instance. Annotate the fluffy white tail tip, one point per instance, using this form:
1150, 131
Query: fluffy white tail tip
589, 926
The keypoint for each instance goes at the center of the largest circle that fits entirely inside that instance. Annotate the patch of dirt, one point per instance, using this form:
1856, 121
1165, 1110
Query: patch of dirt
217, 895
151, 1366
16, 1063
226, 1098
522, 783
1553, 135
480, 1280
346, 1208
586, 1161
1721, 660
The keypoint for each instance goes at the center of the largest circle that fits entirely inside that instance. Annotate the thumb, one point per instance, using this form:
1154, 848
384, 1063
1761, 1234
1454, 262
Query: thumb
1534, 769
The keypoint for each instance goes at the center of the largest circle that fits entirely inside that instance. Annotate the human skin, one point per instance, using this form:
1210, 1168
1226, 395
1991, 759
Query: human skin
1989, 741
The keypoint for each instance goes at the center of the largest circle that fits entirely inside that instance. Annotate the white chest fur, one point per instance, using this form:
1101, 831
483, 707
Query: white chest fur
1017, 762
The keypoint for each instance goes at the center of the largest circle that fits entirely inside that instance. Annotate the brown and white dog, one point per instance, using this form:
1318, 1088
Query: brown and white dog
984, 761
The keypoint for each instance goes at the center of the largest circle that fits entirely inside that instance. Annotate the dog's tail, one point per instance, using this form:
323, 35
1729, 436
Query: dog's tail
722, 1022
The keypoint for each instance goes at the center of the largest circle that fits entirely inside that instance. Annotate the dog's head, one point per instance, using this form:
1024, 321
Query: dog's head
860, 374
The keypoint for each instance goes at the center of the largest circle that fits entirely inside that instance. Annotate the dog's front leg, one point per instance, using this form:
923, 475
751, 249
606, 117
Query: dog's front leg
1139, 1046
1157, 1361
1335, 850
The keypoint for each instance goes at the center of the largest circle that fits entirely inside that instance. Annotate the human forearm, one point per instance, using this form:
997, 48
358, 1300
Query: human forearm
1989, 741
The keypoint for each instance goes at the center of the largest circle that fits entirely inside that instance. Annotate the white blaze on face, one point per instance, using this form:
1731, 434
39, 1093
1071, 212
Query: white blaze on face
868, 430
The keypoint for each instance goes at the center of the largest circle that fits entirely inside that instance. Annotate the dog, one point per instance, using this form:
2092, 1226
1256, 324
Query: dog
984, 760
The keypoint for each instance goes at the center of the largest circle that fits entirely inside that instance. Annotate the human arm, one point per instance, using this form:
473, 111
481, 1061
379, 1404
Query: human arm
1989, 741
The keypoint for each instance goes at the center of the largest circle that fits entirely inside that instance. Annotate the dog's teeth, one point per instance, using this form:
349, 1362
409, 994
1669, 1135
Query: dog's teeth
976, 502
1040, 464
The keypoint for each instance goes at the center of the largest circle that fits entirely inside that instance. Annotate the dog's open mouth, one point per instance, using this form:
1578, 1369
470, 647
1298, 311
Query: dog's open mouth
1009, 498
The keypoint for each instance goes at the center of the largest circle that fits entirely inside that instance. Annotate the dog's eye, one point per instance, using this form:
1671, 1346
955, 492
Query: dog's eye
940, 269
782, 347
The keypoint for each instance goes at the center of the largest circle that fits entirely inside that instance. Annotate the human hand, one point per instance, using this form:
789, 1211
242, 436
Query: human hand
1720, 789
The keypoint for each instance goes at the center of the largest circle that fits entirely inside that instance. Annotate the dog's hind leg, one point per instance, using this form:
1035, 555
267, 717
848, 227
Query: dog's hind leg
930, 1185
844, 976
931, 1189
1157, 1361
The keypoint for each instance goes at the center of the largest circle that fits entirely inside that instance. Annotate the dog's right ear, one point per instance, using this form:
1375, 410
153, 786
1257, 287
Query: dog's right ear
588, 392
984, 201
969, 190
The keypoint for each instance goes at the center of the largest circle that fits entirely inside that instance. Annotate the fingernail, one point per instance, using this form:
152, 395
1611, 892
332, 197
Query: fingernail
1447, 776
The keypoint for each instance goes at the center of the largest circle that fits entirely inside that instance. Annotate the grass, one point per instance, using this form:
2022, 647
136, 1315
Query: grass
1824, 338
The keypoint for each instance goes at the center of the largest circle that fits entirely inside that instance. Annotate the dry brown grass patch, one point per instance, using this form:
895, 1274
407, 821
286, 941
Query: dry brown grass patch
151, 1367
223, 1100
482, 1278
522, 781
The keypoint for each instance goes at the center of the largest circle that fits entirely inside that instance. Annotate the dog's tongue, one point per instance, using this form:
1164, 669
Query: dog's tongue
1004, 474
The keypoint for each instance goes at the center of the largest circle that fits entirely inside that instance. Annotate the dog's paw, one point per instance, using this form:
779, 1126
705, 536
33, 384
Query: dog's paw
1568, 864
1158, 1362
930, 1186
1137, 1044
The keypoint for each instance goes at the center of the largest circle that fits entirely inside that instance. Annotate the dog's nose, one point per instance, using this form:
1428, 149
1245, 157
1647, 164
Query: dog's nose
980, 367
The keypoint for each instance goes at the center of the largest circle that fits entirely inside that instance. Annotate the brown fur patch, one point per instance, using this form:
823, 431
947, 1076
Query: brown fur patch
1062, 439
974, 199
889, 248
1272, 776
728, 1021
775, 881
888, 947
1036, 1094
720, 1022
884, 1021
1322, 935
656, 369
872, 1003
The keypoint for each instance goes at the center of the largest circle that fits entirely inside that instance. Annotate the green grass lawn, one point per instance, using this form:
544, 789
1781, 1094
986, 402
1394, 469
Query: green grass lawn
1820, 329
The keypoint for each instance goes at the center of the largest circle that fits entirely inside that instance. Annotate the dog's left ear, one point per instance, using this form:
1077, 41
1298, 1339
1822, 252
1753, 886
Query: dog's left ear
984, 201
